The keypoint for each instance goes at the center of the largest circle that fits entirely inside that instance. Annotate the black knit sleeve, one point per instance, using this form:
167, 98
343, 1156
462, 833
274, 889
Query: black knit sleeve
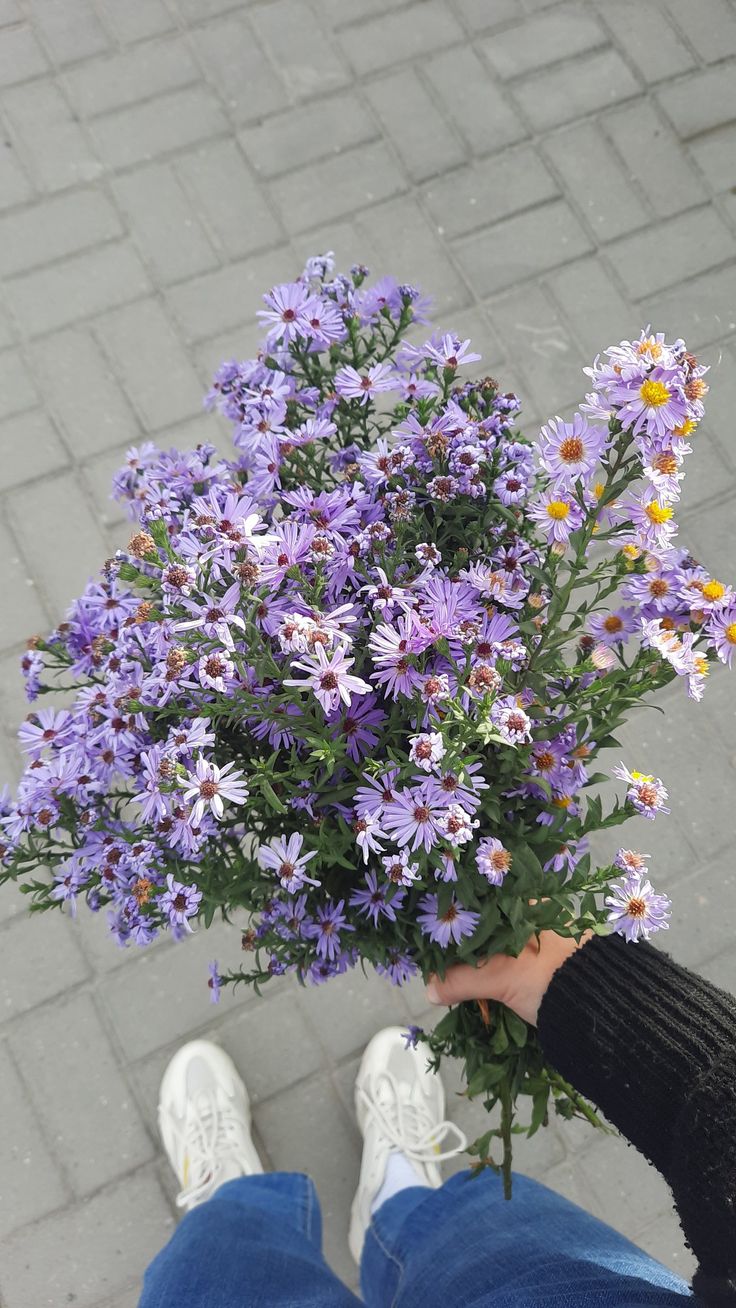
654, 1046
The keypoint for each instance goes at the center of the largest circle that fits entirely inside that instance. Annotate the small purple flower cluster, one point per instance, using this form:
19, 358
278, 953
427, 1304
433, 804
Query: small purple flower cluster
336, 680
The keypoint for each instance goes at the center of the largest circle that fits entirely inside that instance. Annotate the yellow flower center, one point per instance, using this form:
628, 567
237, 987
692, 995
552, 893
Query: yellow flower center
714, 590
685, 428
630, 552
654, 394
651, 347
558, 510
598, 489
658, 513
641, 777
701, 665
562, 801
730, 633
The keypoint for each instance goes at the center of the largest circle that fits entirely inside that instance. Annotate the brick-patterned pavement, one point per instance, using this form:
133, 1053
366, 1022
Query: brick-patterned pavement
557, 175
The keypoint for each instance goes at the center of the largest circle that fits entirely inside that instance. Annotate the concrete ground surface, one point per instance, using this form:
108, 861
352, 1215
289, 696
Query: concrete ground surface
557, 175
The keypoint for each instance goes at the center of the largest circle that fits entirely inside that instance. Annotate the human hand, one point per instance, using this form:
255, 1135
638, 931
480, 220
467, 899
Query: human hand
519, 983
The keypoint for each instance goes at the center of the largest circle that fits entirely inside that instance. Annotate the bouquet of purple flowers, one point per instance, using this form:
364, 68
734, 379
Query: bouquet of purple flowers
353, 679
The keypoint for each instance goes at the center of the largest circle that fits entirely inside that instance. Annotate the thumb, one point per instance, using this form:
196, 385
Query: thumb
488, 981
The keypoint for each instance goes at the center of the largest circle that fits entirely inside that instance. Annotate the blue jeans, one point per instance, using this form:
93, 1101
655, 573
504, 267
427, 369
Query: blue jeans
257, 1243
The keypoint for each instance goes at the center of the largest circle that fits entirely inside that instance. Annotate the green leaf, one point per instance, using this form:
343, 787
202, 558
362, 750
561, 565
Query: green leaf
516, 1027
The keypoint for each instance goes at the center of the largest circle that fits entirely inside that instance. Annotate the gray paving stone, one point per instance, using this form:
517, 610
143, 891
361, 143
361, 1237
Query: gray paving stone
404, 241
230, 200
24, 615
31, 1183
649, 41
654, 157
308, 62
592, 175
337, 186
711, 31
523, 246
88, 1111
558, 95
54, 228
536, 42
153, 368
425, 142
701, 102
40, 960
593, 305
170, 985
349, 1012
715, 155
136, 19
21, 56
52, 145
328, 1152
30, 448
220, 301
307, 134
706, 314
82, 393
239, 70
164, 224
341, 13
470, 198
627, 1189
69, 525
410, 33
90, 1250
17, 388
533, 332
124, 78
10, 12
15, 185
144, 131
478, 109
70, 31
663, 1240
711, 532
478, 16
83, 285
691, 243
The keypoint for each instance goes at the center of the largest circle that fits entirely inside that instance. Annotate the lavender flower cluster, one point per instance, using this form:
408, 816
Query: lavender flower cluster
353, 678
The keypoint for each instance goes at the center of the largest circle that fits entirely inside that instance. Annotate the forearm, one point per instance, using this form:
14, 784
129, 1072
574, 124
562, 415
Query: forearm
655, 1048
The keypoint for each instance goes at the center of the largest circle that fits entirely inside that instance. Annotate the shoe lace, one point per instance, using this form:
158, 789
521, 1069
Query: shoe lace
409, 1126
210, 1132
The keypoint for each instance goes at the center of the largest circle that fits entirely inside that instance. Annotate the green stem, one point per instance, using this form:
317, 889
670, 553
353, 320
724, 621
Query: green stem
507, 1117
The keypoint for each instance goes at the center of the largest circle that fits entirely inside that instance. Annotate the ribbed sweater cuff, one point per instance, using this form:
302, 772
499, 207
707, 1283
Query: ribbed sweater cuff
633, 1032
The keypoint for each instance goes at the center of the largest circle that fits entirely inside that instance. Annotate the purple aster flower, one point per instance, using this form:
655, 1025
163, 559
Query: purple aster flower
285, 858
721, 630
214, 982
493, 860
355, 726
284, 304
511, 487
456, 826
373, 900
652, 401
209, 785
630, 860
398, 967
613, 628
329, 679
453, 924
399, 870
180, 902
216, 671
44, 729
570, 450
411, 818
647, 794
636, 910
450, 353
510, 720
557, 514
368, 833
353, 385
652, 520
412, 1036
329, 921
426, 750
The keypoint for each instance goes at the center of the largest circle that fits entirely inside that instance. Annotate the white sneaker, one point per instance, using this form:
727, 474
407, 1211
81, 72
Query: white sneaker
400, 1106
204, 1120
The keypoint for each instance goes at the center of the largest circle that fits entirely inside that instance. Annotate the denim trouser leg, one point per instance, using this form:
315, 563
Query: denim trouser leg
464, 1244
257, 1243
